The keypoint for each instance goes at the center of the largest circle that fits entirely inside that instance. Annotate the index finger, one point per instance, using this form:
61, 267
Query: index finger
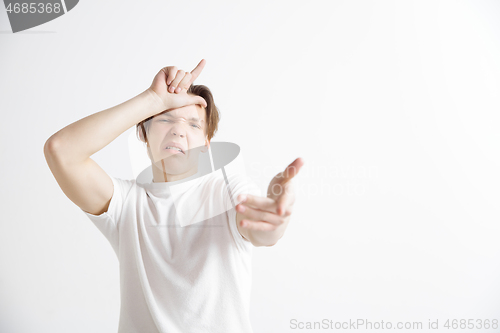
197, 70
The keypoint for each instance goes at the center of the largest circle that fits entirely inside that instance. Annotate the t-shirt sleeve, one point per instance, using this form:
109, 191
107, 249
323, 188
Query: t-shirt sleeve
239, 185
109, 221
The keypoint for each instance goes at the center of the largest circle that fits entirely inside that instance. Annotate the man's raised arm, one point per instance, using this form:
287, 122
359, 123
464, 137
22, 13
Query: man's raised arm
68, 151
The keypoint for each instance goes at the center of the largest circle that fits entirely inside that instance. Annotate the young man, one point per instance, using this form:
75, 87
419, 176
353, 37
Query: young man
178, 273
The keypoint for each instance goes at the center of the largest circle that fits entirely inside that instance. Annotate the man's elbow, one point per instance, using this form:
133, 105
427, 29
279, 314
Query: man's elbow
50, 146
51, 150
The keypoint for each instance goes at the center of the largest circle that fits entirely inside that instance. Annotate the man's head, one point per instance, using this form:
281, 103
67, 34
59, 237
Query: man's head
189, 129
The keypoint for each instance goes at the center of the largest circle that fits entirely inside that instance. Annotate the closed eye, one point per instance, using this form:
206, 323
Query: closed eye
169, 121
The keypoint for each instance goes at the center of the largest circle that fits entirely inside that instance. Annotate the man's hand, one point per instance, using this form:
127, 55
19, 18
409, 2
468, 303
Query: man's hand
264, 220
170, 86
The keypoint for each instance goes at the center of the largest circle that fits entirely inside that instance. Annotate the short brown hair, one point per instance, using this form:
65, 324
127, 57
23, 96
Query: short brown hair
212, 113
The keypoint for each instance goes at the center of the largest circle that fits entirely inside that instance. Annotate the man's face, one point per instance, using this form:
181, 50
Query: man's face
176, 138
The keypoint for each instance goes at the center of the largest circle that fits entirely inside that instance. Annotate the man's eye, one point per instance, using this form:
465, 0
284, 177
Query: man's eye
165, 120
194, 125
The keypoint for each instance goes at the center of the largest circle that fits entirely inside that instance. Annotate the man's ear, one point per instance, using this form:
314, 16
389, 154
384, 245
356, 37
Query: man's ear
206, 146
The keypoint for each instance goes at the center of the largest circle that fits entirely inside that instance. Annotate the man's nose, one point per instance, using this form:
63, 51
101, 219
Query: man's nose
178, 130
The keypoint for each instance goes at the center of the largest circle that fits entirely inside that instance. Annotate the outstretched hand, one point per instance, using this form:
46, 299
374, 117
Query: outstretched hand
269, 214
171, 85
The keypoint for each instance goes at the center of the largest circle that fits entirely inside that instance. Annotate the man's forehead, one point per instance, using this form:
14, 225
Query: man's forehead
190, 112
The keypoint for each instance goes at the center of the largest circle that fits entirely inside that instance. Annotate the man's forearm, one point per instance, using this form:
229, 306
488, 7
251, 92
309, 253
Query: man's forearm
83, 138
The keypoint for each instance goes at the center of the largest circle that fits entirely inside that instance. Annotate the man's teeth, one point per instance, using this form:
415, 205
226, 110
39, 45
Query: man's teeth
174, 148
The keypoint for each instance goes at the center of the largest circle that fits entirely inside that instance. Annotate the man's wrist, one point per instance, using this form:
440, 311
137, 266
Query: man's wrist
265, 238
154, 102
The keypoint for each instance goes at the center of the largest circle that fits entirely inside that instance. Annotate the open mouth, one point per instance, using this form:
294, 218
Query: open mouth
174, 149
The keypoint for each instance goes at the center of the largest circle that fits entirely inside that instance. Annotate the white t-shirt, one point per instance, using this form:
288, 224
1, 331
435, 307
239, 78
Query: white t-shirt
179, 273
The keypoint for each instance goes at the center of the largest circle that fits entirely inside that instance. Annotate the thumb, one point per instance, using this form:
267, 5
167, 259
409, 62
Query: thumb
292, 169
199, 100
194, 99
184, 99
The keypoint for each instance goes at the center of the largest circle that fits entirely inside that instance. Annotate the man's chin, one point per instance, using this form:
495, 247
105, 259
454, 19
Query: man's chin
173, 166
169, 157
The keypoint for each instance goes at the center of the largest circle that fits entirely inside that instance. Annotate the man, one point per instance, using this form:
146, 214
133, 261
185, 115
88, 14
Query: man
177, 273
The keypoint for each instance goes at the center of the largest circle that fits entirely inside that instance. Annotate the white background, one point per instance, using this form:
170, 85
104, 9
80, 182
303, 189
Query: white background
394, 106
